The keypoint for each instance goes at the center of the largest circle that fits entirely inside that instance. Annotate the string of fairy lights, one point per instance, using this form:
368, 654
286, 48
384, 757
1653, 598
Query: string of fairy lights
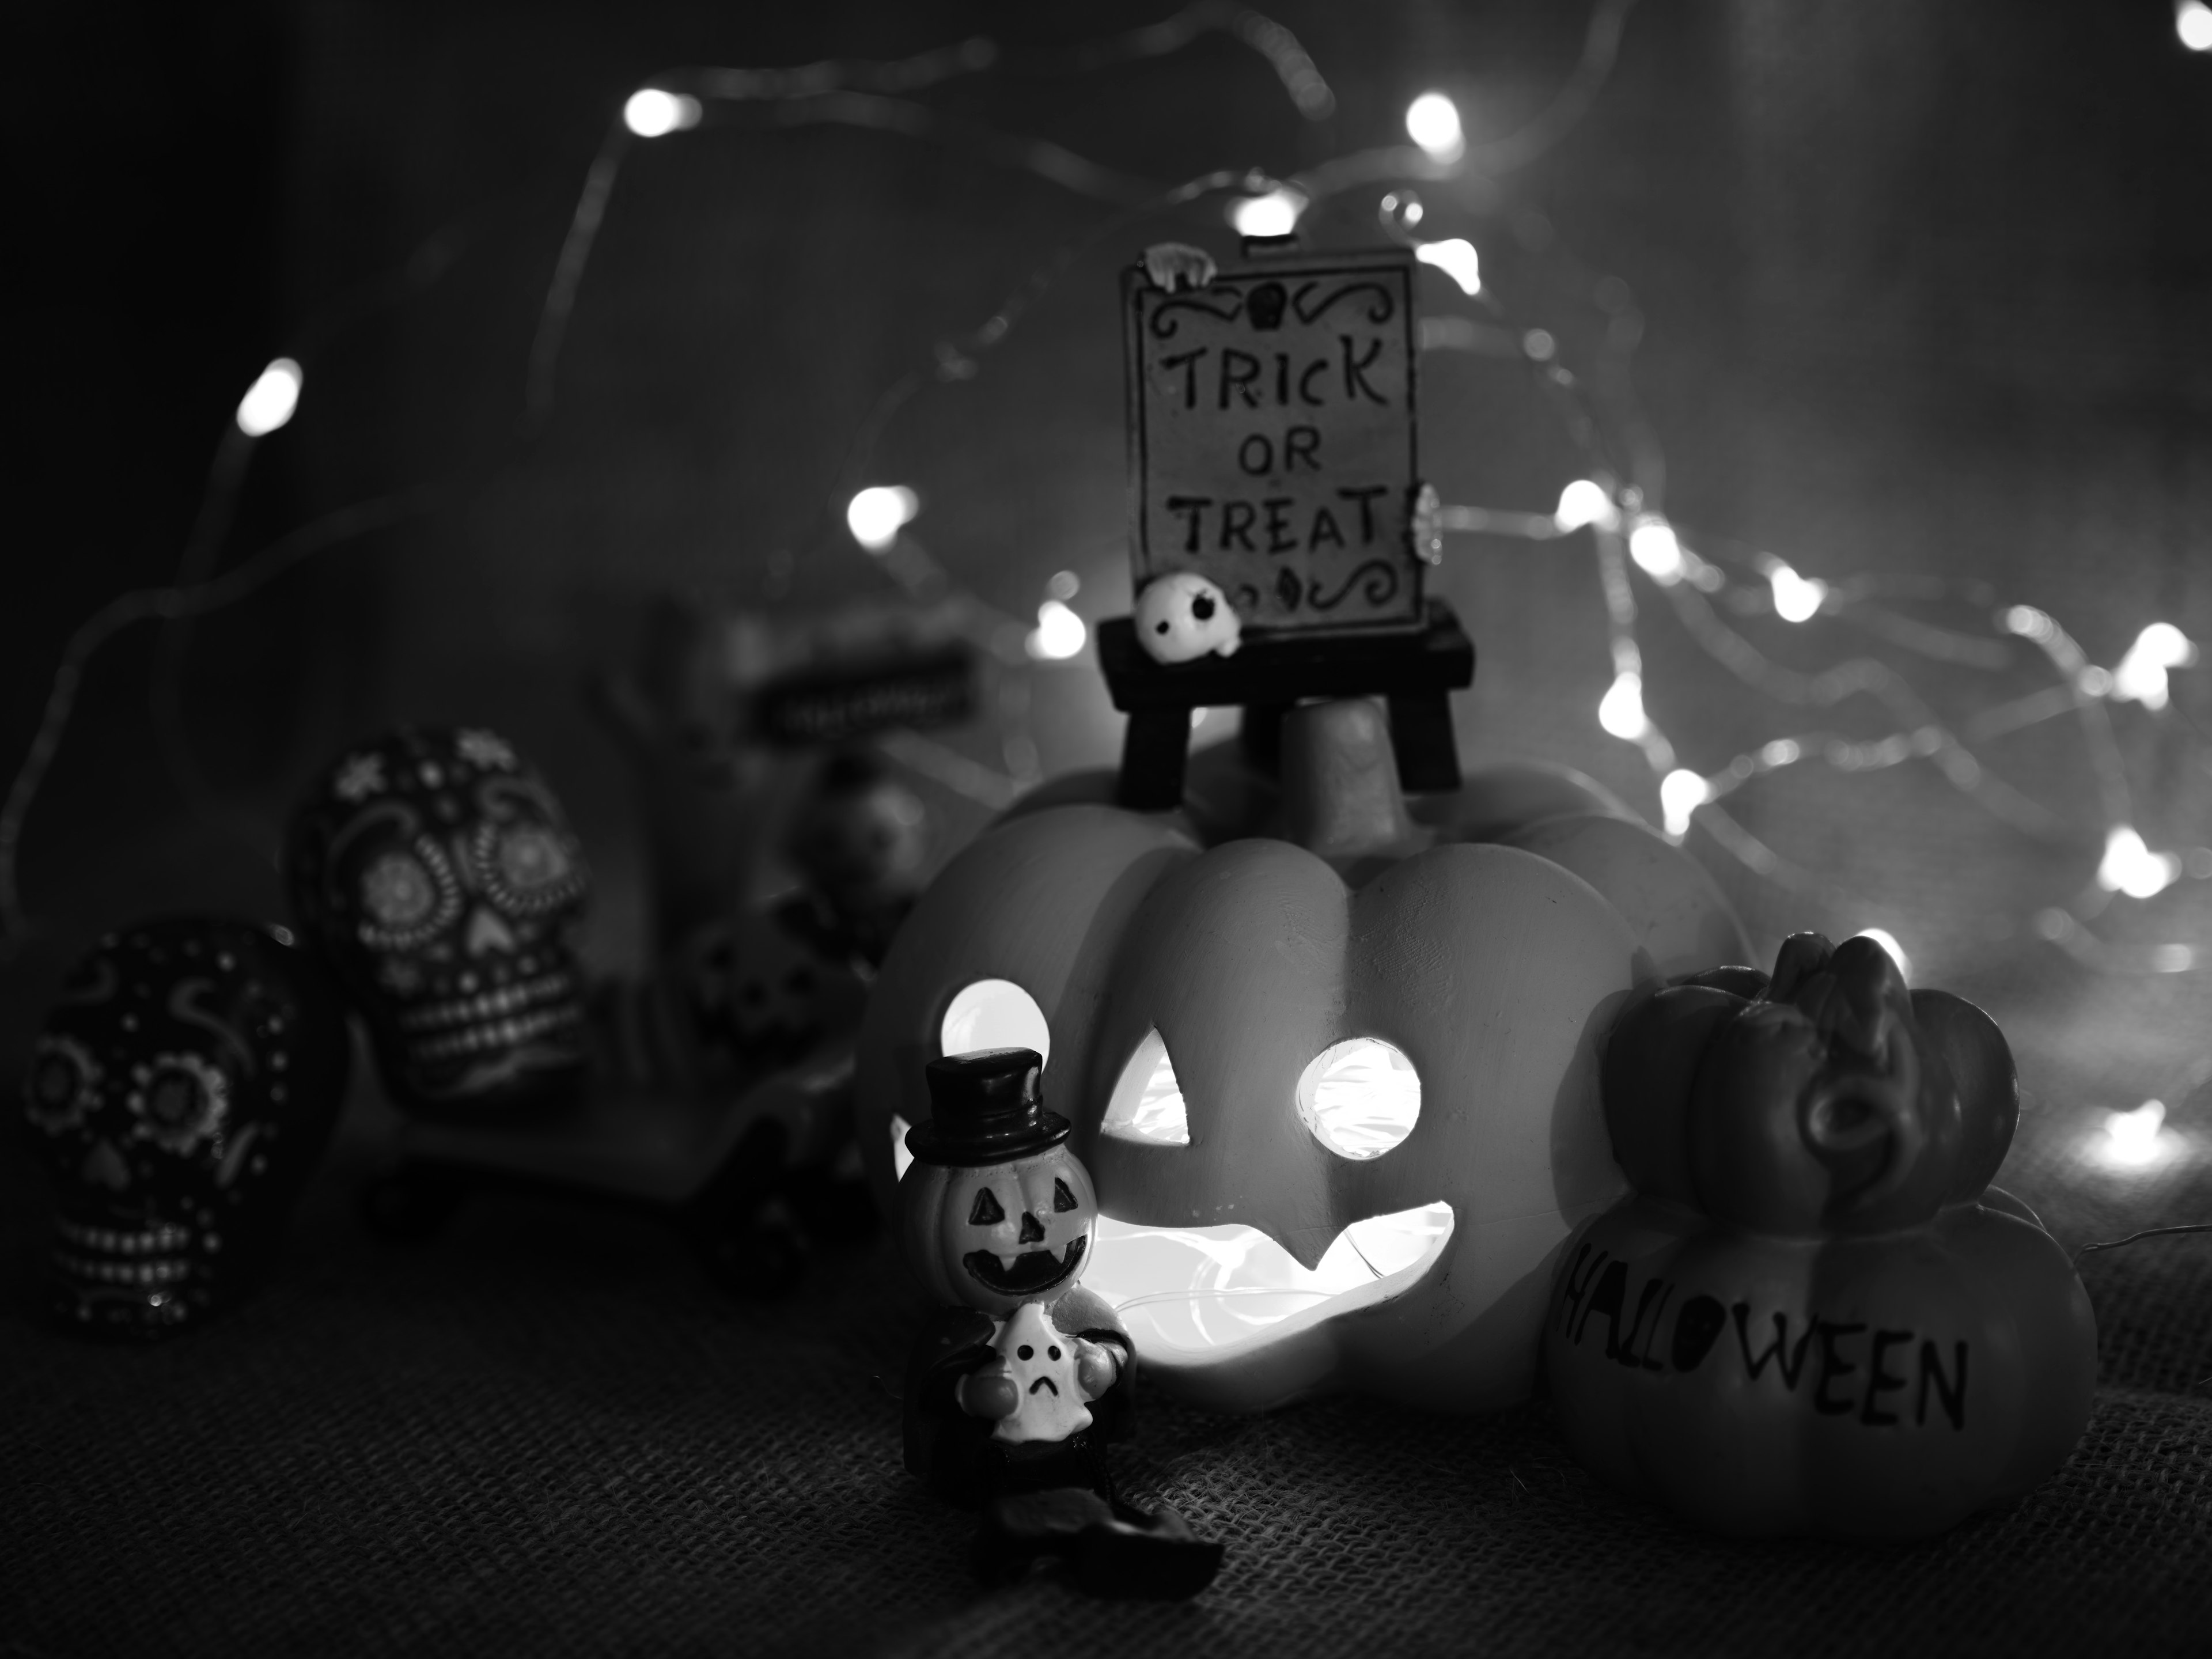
1634, 544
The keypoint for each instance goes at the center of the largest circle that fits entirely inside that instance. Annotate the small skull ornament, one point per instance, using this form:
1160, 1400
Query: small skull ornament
435, 871
1183, 616
181, 1092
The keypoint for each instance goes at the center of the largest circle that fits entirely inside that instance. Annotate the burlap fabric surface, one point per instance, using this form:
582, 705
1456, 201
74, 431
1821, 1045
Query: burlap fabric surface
546, 1433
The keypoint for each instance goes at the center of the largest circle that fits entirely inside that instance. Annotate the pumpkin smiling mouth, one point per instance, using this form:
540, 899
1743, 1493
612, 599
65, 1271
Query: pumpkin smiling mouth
1026, 1273
1189, 1294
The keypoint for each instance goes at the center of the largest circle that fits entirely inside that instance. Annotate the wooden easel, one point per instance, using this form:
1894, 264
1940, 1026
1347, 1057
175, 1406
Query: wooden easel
1416, 671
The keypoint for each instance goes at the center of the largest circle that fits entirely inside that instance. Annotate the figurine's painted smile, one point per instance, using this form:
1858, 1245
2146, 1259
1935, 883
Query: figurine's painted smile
1027, 1274
1046, 1383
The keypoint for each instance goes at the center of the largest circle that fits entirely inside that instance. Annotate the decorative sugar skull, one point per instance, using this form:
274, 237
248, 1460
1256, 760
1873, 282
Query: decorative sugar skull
997, 1211
1183, 616
181, 1092
437, 873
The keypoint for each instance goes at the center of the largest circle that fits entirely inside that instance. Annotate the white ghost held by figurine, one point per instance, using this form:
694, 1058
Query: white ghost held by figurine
1182, 616
1050, 1404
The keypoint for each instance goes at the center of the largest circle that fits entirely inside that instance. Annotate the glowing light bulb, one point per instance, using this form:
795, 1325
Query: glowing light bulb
1620, 711
2140, 677
1433, 122
1656, 550
1680, 794
269, 401
1275, 214
1059, 634
1457, 259
1887, 940
878, 514
651, 112
1584, 501
2192, 21
2132, 868
1795, 598
2131, 1139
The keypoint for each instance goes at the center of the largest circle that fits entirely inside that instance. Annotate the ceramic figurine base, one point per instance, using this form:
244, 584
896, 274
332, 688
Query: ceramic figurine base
1416, 671
749, 1182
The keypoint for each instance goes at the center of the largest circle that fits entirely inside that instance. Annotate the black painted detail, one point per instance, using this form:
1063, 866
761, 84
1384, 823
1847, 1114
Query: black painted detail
1697, 1327
1033, 1270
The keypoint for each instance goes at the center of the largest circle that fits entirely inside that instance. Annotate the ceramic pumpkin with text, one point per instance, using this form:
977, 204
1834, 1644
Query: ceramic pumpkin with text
1815, 1314
1338, 1091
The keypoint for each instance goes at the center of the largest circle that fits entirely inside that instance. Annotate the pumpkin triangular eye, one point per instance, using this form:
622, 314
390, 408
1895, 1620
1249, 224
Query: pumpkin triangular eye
986, 1212
1061, 1198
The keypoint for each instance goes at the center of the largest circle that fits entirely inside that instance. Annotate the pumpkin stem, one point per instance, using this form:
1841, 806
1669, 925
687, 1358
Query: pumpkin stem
1342, 798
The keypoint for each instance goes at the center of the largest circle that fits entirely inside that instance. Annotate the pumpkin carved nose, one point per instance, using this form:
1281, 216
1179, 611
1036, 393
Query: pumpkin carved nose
1032, 1230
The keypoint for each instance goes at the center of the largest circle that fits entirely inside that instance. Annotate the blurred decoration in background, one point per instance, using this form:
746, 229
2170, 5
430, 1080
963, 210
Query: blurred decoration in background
1945, 571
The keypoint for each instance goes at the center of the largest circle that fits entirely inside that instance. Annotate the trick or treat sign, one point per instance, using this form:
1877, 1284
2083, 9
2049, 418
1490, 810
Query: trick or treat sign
1271, 436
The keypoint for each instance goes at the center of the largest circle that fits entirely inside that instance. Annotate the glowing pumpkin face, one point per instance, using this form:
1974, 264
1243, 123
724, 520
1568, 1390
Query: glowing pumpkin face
1273, 1224
996, 1237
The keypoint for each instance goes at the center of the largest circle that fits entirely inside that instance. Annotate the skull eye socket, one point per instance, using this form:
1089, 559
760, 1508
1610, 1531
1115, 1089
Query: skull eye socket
397, 891
987, 1211
62, 1088
182, 1100
408, 896
527, 868
1061, 1198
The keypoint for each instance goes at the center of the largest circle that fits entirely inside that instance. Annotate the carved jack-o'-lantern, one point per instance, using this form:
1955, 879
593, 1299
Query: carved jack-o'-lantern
995, 1234
184, 1086
1341, 1109
437, 873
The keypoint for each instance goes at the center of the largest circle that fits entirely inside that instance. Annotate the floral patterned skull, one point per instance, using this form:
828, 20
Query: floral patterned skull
435, 871
182, 1090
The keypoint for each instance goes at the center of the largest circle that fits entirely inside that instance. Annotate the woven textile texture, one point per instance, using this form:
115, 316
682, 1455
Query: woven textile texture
546, 1433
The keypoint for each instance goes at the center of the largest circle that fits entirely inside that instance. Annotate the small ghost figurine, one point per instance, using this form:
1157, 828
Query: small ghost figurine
1183, 616
1015, 1384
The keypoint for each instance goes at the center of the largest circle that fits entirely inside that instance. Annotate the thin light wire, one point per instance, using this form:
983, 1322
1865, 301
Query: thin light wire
862, 93
1601, 51
1926, 737
217, 512
142, 605
2148, 1232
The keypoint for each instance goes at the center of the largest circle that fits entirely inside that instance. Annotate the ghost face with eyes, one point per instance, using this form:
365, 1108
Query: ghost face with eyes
1181, 618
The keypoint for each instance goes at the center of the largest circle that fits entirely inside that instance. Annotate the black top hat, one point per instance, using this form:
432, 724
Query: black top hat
987, 1107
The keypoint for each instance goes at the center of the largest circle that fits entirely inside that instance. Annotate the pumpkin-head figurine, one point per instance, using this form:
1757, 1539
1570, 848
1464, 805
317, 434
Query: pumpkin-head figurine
1018, 1381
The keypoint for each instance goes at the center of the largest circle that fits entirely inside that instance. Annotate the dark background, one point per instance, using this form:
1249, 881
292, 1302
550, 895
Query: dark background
1922, 290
